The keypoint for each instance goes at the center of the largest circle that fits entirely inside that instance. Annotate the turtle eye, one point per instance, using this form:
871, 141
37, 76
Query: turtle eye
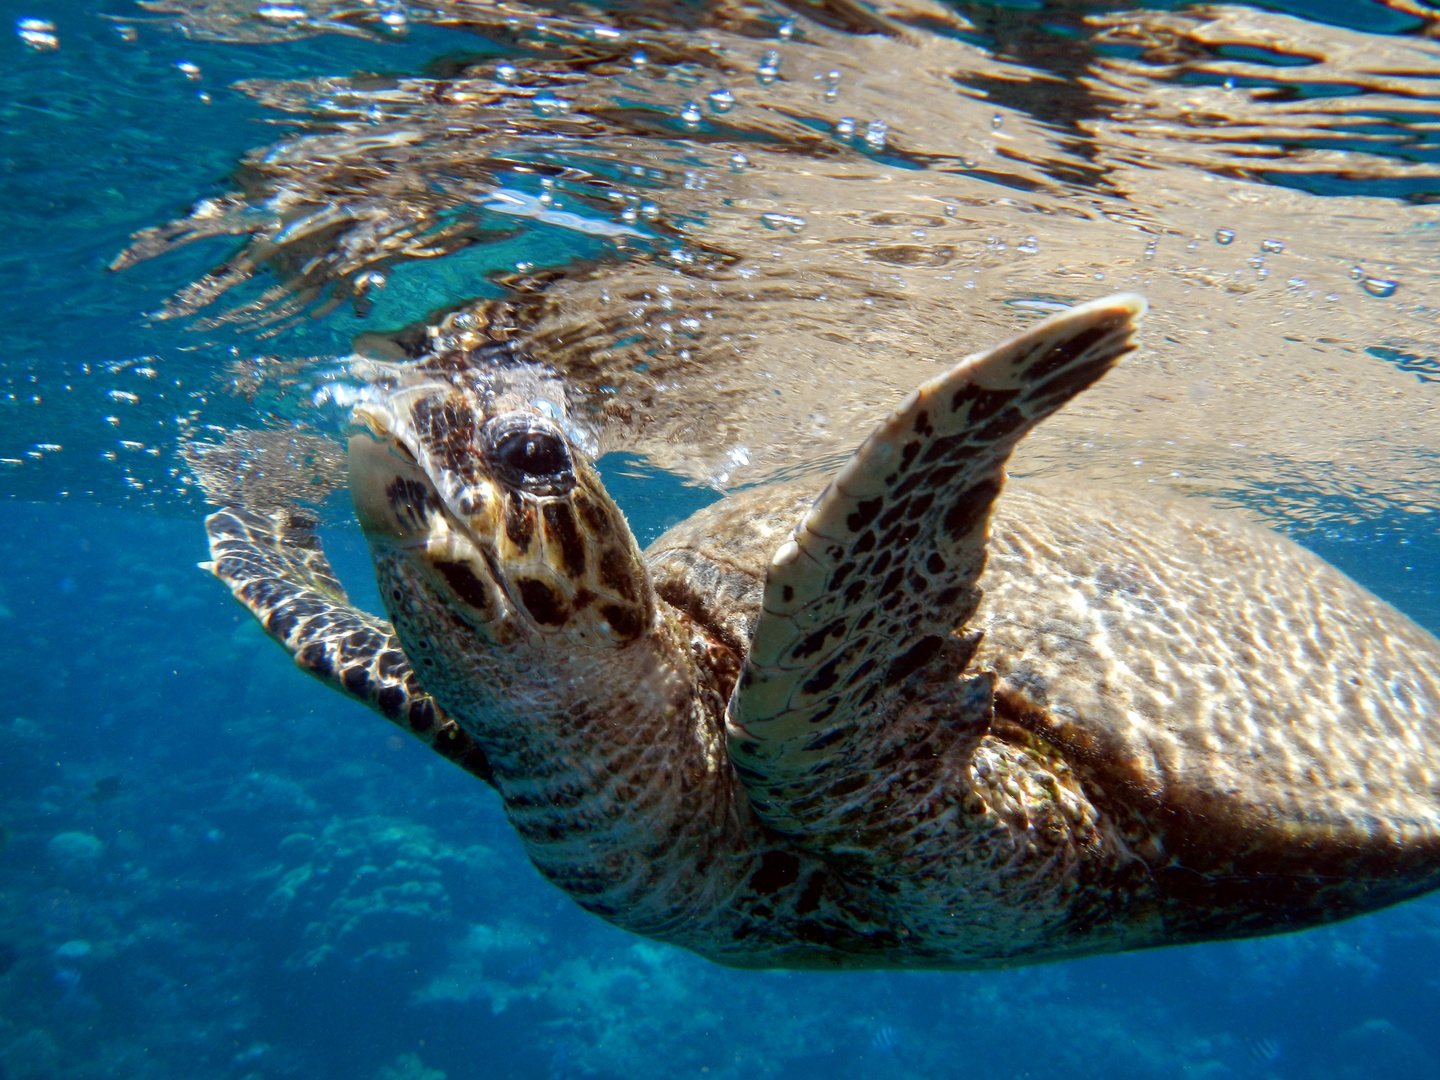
534, 453
529, 452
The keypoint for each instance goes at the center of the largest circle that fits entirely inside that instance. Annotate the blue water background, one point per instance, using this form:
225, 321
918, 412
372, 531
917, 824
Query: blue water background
213, 867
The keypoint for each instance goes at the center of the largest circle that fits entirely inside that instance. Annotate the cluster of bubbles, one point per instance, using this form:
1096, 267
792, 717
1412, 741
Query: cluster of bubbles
1380, 287
769, 69
877, 132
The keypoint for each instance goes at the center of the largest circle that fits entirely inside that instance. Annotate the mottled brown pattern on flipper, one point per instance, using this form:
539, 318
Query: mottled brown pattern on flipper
1269, 731
881, 571
1023, 872
274, 565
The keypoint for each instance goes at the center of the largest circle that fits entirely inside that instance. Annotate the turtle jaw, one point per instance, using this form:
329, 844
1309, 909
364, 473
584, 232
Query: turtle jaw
548, 557
405, 520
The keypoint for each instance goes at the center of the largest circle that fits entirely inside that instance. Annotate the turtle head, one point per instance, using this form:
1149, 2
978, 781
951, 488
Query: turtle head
481, 502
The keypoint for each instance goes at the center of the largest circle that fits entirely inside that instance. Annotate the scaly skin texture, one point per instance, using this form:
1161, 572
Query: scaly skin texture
875, 728
528, 612
624, 797
1164, 745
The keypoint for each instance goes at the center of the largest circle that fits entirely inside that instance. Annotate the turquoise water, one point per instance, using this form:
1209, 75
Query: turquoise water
213, 867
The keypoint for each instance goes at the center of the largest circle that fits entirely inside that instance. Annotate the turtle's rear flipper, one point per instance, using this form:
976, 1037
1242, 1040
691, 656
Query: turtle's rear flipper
865, 606
274, 565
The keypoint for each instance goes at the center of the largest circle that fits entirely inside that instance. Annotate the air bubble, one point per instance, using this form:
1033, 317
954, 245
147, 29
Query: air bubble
783, 221
739, 162
37, 34
1381, 287
189, 70
394, 21
1272, 247
845, 127
1149, 255
832, 85
1028, 245
649, 211
722, 100
1224, 236
787, 29
549, 105
638, 58
997, 122
769, 68
876, 132
691, 115
1357, 273
505, 72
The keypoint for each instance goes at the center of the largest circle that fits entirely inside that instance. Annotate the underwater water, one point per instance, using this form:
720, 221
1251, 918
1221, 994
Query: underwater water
212, 866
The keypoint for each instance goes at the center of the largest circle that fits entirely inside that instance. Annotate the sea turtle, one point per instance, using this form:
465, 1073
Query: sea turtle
875, 728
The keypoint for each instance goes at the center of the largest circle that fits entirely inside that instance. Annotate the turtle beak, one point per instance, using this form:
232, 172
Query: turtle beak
400, 512
381, 470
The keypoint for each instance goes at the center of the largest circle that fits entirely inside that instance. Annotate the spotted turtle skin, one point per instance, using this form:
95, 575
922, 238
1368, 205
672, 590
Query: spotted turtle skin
896, 720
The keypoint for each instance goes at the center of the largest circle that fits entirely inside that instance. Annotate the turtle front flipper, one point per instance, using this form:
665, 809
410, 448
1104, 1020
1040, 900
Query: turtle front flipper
864, 608
274, 565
